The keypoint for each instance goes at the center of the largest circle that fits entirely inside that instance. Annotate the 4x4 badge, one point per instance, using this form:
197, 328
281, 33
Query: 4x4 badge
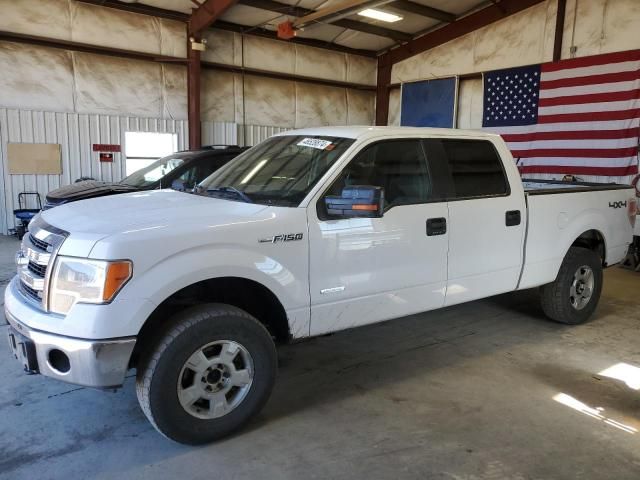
617, 204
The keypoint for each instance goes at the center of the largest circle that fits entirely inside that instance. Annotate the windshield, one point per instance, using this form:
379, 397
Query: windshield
149, 175
278, 171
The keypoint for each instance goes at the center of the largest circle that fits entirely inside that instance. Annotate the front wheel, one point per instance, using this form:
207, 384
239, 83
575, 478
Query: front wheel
573, 296
208, 375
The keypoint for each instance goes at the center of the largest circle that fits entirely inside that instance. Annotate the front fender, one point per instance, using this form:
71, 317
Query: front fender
287, 282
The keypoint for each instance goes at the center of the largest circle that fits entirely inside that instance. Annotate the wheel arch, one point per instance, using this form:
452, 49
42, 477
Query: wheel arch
244, 293
594, 240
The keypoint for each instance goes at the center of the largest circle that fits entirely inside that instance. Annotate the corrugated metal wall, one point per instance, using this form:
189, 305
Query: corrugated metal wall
229, 133
251, 135
76, 133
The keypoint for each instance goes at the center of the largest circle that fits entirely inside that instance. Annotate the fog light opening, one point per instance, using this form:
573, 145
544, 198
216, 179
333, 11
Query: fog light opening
59, 361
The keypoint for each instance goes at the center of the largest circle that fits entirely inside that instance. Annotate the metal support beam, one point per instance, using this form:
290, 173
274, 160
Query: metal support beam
463, 26
422, 10
557, 41
207, 13
310, 42
88, 48
285, 76
193, 96
286, 9
382, 89
202, 18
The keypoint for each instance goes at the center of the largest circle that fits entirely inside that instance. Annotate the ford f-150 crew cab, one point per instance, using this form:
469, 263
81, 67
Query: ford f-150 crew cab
310, 232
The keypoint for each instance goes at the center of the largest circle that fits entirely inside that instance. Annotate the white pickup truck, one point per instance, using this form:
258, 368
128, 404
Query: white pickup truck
310, 232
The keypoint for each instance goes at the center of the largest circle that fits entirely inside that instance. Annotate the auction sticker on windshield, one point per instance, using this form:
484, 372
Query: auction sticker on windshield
315, 143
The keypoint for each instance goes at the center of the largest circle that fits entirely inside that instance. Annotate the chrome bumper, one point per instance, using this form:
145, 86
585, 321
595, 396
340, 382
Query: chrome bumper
92, 363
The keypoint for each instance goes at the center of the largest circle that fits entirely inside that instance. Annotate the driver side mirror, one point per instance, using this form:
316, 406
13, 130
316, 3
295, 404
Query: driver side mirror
356, 201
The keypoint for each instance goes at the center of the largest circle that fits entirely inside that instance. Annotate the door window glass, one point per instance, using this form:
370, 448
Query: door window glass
397, 166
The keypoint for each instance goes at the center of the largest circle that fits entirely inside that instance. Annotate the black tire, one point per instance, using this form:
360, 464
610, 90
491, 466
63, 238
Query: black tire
159, 371
555, 297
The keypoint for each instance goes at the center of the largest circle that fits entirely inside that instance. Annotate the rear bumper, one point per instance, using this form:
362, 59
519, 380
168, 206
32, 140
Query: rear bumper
91, 363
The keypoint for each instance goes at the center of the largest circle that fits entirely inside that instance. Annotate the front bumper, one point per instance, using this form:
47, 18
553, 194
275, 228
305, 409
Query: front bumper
91, 363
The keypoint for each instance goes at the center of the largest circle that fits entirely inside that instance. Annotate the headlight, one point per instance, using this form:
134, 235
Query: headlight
79, 280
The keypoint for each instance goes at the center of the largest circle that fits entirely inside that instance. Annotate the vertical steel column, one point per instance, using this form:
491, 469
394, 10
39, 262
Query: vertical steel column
557, 41
193, 95
382, 89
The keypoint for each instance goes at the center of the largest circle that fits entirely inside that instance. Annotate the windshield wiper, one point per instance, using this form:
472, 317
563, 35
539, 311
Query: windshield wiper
233, 190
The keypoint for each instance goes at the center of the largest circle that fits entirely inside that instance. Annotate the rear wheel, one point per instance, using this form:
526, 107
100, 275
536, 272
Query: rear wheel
574, 295
208, 375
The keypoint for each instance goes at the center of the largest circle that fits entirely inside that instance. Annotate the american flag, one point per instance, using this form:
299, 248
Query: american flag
578, 117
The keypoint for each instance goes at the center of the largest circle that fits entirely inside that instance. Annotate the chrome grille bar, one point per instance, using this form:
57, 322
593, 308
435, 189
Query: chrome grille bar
36, 255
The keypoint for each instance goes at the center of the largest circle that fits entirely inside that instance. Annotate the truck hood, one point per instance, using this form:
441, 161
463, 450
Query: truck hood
101, 217
86, 189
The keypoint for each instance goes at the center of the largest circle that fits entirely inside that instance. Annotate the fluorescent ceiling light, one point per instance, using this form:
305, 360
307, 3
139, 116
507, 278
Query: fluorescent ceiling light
380, 15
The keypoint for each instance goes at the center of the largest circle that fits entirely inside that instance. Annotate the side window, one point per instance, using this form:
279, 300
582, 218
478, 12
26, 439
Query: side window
398, 166
189, 176
476, 168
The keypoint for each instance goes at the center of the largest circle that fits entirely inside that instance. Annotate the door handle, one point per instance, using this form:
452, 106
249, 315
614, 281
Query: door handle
513, 218
436, 226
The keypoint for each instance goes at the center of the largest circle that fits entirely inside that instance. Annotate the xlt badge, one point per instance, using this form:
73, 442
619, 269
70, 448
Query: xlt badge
285, 237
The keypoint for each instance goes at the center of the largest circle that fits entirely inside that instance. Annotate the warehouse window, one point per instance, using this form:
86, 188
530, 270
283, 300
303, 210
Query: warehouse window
144, 148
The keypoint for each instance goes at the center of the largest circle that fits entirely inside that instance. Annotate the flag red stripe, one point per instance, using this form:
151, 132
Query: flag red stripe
580, 170
590, 80
572, 135
592, 60
578, 134
590, 116
576, 152
591, 98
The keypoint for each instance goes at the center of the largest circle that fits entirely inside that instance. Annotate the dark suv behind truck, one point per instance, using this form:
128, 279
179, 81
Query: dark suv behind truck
181, 170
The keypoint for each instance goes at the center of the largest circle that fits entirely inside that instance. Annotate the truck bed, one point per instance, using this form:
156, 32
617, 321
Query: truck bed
546, 187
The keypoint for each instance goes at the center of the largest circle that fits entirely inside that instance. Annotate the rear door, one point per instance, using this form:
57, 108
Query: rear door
364, 270
486, 220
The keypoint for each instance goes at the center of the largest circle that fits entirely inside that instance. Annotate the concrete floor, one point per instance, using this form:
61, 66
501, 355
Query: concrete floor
487, 390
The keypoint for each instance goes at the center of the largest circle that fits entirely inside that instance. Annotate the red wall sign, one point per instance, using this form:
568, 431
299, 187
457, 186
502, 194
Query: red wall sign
106, 157
99, 147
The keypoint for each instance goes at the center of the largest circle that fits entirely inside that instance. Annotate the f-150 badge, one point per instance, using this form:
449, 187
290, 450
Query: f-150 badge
285, 237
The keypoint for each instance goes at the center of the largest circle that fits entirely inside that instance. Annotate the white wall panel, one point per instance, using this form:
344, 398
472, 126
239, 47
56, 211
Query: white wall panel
469, 112
264, 54
33, 17
95, 25
76, 133
601, 26
394, 107
520, 39
36, 77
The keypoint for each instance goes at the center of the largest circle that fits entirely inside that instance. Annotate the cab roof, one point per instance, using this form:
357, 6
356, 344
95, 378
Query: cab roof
364, 132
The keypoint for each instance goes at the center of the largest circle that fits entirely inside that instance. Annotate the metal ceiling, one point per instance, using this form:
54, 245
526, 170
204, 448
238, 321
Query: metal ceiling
351, 32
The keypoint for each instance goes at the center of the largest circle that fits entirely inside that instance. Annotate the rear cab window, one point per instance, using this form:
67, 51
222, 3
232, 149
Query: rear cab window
473, 168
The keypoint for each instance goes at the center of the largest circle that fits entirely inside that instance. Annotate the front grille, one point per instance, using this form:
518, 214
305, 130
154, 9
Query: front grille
31, 292
39, 270
41, 244
36, 254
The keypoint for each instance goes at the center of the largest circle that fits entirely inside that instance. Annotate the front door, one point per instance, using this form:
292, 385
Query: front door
365, 270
